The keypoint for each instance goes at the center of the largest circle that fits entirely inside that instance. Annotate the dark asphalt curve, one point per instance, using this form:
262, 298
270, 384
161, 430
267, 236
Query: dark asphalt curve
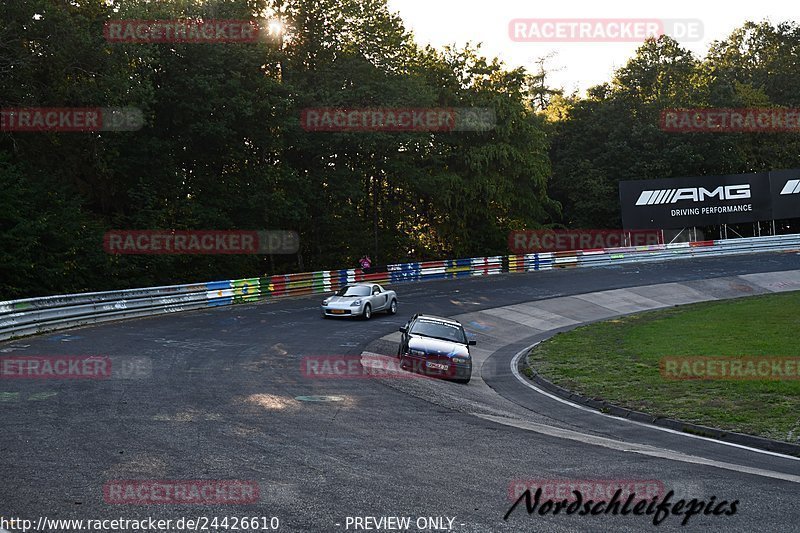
215, 394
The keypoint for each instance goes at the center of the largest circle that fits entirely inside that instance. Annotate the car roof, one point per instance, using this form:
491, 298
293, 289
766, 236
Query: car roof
440, 319
361, 284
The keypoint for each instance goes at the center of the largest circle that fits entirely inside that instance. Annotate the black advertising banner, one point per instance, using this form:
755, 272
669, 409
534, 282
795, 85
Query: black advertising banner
785, 185
699, 201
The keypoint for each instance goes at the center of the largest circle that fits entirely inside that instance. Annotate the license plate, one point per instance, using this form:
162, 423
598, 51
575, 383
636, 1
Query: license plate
437, 366
337, 311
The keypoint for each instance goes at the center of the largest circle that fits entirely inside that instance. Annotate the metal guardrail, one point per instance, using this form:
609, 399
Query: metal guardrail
651, 253
36, 315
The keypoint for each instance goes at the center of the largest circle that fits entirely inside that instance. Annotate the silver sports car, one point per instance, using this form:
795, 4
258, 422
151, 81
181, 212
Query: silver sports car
360, 299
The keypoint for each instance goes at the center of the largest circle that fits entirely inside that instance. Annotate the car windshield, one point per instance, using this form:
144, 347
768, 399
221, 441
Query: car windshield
440, 330
354, 291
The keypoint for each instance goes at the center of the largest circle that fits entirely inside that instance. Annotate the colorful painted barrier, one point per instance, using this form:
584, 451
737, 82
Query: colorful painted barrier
36, 315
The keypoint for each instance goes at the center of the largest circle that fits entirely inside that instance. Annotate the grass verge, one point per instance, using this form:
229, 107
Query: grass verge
618, 361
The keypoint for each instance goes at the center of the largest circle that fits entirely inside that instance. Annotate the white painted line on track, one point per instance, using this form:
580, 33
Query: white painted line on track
515, 361
642, 449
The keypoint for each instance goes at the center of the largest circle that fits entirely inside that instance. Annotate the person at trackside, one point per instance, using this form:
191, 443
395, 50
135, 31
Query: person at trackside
365, 262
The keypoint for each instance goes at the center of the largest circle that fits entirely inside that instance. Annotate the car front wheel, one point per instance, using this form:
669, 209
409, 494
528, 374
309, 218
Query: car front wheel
393, 308
367, 312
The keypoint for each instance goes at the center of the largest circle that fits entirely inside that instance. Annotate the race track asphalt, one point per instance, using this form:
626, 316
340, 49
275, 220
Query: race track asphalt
214, 397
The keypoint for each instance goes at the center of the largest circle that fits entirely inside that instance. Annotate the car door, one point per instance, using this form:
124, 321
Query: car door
385, 295
379, 298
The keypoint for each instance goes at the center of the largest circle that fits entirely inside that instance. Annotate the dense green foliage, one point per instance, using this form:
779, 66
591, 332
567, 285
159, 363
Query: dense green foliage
222, 146
614, 133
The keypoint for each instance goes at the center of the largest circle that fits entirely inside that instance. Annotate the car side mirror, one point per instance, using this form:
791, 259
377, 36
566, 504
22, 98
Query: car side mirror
404, 329
472, 343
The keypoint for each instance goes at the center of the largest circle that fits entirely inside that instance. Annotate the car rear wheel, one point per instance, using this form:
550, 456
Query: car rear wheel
367, 312
393, 308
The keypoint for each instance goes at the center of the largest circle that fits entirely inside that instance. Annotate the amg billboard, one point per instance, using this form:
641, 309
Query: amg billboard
785, 186
700, 201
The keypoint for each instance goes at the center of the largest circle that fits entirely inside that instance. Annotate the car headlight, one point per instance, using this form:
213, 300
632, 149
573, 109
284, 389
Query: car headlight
324, 302
356, 303
414, 351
